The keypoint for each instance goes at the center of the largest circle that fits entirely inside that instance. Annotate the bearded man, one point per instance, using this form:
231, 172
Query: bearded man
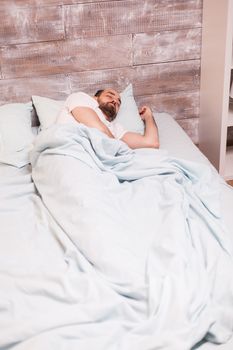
100, 112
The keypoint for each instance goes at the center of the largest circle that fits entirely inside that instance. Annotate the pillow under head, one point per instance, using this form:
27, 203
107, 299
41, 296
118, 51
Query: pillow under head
128, 115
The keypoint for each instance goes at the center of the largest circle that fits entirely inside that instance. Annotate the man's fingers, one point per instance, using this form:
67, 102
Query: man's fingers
142, 110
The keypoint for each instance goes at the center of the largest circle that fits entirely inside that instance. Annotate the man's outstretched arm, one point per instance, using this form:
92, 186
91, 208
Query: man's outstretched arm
150, 139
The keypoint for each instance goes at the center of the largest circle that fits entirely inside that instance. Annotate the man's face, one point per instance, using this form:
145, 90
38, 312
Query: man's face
109, 103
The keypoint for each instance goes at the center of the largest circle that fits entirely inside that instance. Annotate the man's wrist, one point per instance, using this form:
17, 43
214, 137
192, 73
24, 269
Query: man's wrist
149, 118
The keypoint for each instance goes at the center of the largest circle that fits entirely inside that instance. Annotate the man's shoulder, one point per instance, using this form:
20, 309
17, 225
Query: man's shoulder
80, 99
80, 94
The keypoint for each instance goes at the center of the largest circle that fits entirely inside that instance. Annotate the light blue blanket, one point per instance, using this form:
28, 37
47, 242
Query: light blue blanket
154, 261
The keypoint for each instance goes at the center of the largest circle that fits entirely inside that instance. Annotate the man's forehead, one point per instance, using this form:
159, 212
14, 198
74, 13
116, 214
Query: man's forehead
114, 92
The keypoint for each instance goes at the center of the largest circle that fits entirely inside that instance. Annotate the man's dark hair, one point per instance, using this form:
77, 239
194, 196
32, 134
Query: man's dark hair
98, 93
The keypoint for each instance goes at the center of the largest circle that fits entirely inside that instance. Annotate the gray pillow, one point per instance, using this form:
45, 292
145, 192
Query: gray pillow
47, 110
15, 127
128, 115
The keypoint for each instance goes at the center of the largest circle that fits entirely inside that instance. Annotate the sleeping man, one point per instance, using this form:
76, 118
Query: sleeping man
100, 112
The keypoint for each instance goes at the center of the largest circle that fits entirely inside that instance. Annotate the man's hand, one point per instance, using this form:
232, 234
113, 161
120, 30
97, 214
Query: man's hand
150, 139
145, 113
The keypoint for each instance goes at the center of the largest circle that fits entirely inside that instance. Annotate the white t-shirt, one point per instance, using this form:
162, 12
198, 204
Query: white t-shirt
81, 99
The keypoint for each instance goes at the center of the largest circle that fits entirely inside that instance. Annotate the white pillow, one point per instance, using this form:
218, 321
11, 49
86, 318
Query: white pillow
47, 110
15, 127
128, 115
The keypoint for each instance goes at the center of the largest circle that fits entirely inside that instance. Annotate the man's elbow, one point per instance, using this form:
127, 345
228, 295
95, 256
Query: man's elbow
152, 144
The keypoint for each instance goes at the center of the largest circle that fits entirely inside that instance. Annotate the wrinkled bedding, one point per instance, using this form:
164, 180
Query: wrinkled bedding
128, 249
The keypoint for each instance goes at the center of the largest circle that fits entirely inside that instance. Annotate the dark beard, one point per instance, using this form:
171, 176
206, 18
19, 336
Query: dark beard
109, 110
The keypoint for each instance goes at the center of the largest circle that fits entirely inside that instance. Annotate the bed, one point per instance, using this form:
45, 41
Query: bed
107, 248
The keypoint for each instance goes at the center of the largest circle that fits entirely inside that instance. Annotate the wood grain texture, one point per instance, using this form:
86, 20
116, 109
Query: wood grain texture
1, 76
21, 90
90, 82
181, 104
178, 45
122, 17
166, 77
66, 56
147, 79
40, 3
55, 47
24, 25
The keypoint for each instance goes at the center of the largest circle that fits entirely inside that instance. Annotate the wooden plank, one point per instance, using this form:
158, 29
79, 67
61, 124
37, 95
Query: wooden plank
40, 3
24, 25
180, 105
148, 79
190, 126
166, 77
167, 46
66, 56
126, 16
21, 90
91, 81
1, 77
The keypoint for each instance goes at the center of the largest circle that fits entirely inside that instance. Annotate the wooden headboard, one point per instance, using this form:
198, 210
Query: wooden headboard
52, 48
